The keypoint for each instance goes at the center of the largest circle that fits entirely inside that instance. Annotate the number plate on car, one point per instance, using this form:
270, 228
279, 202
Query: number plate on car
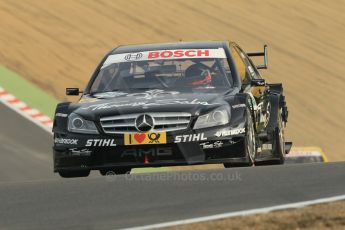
145, 138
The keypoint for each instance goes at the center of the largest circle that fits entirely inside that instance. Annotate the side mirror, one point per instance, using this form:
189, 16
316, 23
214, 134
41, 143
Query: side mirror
258, 82
73, 91
258, 54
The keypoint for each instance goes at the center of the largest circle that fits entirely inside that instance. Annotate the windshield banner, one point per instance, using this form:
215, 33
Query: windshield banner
165, 55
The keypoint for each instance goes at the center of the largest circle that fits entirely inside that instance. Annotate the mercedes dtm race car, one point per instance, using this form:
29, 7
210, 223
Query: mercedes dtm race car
171, 104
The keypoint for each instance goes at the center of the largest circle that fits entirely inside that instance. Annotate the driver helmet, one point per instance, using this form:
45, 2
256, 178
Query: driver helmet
198, 75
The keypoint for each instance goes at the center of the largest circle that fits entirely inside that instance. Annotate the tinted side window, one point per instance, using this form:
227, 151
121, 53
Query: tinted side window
242, 65
251, 69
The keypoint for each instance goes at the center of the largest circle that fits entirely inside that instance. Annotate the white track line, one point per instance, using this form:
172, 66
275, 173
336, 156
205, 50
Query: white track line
240, 213
25, 111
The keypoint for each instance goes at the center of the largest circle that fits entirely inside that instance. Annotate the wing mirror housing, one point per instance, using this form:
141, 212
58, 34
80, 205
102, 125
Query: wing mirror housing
73, 91
258, 82
261, 54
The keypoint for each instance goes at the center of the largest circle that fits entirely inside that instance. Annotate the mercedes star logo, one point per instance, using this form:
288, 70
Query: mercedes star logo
144, 123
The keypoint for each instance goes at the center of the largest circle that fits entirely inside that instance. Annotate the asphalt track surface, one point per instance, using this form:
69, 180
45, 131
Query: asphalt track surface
32, 197
25, 149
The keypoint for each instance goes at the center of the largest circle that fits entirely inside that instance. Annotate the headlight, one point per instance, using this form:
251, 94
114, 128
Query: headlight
77, 124
214, 118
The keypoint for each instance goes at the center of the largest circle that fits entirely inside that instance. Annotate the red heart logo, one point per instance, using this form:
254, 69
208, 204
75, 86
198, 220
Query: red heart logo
139, 137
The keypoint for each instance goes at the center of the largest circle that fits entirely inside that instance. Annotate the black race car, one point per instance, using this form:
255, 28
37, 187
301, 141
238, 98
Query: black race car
171, 104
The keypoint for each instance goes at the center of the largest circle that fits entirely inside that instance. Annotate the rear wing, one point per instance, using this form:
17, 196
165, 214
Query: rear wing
259, 54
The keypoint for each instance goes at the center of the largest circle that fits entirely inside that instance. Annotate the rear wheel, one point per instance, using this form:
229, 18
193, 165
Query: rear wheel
249, 145
74, 173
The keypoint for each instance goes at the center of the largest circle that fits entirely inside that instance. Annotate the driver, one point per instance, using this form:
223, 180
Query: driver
198, 75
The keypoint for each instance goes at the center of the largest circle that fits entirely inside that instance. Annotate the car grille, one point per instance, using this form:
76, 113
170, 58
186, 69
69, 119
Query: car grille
163, 122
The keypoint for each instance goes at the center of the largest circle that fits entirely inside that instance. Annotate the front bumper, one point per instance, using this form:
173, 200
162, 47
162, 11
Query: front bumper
215, 145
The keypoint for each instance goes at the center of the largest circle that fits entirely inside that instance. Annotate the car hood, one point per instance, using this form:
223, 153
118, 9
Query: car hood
117, 103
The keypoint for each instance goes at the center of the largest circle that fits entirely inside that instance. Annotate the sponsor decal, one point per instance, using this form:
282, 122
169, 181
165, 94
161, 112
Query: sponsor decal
266, 146
65, 141
80, 152
190, 138
251, 70
263, 113
231, 142
61, 115
239, 106
208, 145
178, 53
230, 132
162, 151
87, 100
148, 104
109, 95
145, 138
149, 94
100, 142
252, 101
133, 56
165, 55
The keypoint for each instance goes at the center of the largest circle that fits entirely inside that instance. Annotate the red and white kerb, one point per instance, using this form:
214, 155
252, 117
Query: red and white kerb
165, 55
25, 110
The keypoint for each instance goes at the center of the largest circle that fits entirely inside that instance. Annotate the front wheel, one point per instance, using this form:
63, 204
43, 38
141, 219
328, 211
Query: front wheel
249, 145
117, 171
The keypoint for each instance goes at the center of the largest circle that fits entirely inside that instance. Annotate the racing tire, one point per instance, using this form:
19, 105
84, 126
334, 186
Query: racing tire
74, 173
249, 145
115, 171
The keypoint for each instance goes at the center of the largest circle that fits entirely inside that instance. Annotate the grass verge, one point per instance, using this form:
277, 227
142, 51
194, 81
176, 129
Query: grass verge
27, 92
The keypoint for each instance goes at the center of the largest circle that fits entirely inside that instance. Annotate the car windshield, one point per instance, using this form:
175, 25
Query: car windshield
204, 69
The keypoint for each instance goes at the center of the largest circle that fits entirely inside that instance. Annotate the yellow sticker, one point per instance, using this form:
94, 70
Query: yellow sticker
87, 100
145, 138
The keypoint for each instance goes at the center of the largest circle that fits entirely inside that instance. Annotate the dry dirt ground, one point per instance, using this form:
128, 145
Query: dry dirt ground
57, 44
323, 216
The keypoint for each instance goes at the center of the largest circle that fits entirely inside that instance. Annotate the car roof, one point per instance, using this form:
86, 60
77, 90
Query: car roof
170, 46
